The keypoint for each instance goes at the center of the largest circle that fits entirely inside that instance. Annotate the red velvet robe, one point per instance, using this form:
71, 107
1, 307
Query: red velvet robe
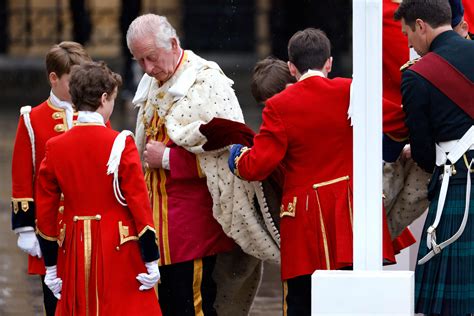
182, 206
99, 237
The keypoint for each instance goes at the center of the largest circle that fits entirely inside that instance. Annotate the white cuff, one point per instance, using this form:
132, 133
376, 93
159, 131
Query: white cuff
165, 162
24, 229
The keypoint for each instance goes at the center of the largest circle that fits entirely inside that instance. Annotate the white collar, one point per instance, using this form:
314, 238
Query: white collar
65, 105
90, 117
312, 73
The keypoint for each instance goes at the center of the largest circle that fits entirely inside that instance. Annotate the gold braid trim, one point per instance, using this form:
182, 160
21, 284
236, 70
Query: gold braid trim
147, 227
45, 236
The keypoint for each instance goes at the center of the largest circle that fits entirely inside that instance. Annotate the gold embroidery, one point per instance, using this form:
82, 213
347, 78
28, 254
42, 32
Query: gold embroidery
62, 234
21, 201
161, 95
57, 115
291, 209
323, 232
45, 236
59, 128
237, 159
125, 234
321, 184
197, 280
87, 218
145, 229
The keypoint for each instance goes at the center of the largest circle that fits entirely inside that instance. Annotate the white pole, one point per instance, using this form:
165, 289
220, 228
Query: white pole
367, 122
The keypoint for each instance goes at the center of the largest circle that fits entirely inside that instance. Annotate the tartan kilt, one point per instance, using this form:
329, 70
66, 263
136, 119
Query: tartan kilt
445, 284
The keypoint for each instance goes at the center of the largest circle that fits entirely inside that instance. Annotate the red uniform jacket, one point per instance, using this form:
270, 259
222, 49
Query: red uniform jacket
47, 121
99, 237
182, 206
306, 128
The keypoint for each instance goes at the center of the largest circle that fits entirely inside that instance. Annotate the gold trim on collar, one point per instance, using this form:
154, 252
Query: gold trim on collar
321, 184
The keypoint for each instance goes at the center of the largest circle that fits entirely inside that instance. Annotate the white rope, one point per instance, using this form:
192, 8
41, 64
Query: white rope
25, 112
114, 163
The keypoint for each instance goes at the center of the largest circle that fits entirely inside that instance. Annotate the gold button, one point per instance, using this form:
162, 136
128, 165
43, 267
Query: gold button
61, 209
57, 115
59, 128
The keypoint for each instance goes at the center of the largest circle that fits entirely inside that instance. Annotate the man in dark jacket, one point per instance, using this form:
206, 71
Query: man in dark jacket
438, 101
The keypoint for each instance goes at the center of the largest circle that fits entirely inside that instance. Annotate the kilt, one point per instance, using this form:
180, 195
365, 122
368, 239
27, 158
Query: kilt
445, 284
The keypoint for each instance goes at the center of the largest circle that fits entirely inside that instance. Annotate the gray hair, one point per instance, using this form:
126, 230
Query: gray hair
154, 25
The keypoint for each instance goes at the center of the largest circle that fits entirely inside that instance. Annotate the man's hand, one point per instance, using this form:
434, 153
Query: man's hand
153, 154
52, 281
406, 153
148, 280
28, 242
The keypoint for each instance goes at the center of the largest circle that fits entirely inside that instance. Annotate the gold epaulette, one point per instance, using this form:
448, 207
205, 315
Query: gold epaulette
409, 64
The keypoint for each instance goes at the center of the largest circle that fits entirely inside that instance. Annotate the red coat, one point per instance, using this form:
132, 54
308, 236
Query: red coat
47, 121
395, 54
99, 236
182, 206
306, 128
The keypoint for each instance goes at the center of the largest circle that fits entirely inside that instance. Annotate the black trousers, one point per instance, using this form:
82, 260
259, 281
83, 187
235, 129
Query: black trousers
297, 296
49, 299
187, 288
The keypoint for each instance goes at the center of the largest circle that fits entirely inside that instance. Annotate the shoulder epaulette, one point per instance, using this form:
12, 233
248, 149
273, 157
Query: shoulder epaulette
409, 63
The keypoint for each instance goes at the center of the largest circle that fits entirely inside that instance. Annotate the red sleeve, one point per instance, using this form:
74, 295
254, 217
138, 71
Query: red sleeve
22, 164
184, 165
133, 187
394, 120
23, 205
469, 14
269, 148
48, 195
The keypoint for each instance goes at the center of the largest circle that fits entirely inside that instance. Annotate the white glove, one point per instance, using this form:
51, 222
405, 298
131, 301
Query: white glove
54, 283
28, 242
148, 280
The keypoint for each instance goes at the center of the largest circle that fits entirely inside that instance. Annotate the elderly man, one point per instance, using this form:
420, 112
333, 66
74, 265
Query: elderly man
189, 188
440, 116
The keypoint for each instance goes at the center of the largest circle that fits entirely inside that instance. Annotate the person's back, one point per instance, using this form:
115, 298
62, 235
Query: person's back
315, 106
106, 239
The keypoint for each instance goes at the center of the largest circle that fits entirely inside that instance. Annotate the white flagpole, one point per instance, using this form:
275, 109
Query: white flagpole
367, 122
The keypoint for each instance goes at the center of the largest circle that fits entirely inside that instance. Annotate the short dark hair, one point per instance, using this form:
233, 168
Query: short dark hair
61, 57
309, 49
434, 12
270, 76
88, 82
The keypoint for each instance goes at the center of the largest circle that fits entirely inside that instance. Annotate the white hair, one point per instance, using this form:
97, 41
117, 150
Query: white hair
152, 25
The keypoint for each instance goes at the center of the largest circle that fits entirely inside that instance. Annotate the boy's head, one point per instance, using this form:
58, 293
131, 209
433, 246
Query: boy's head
93, 87
59, 61
270, 76
309, 49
